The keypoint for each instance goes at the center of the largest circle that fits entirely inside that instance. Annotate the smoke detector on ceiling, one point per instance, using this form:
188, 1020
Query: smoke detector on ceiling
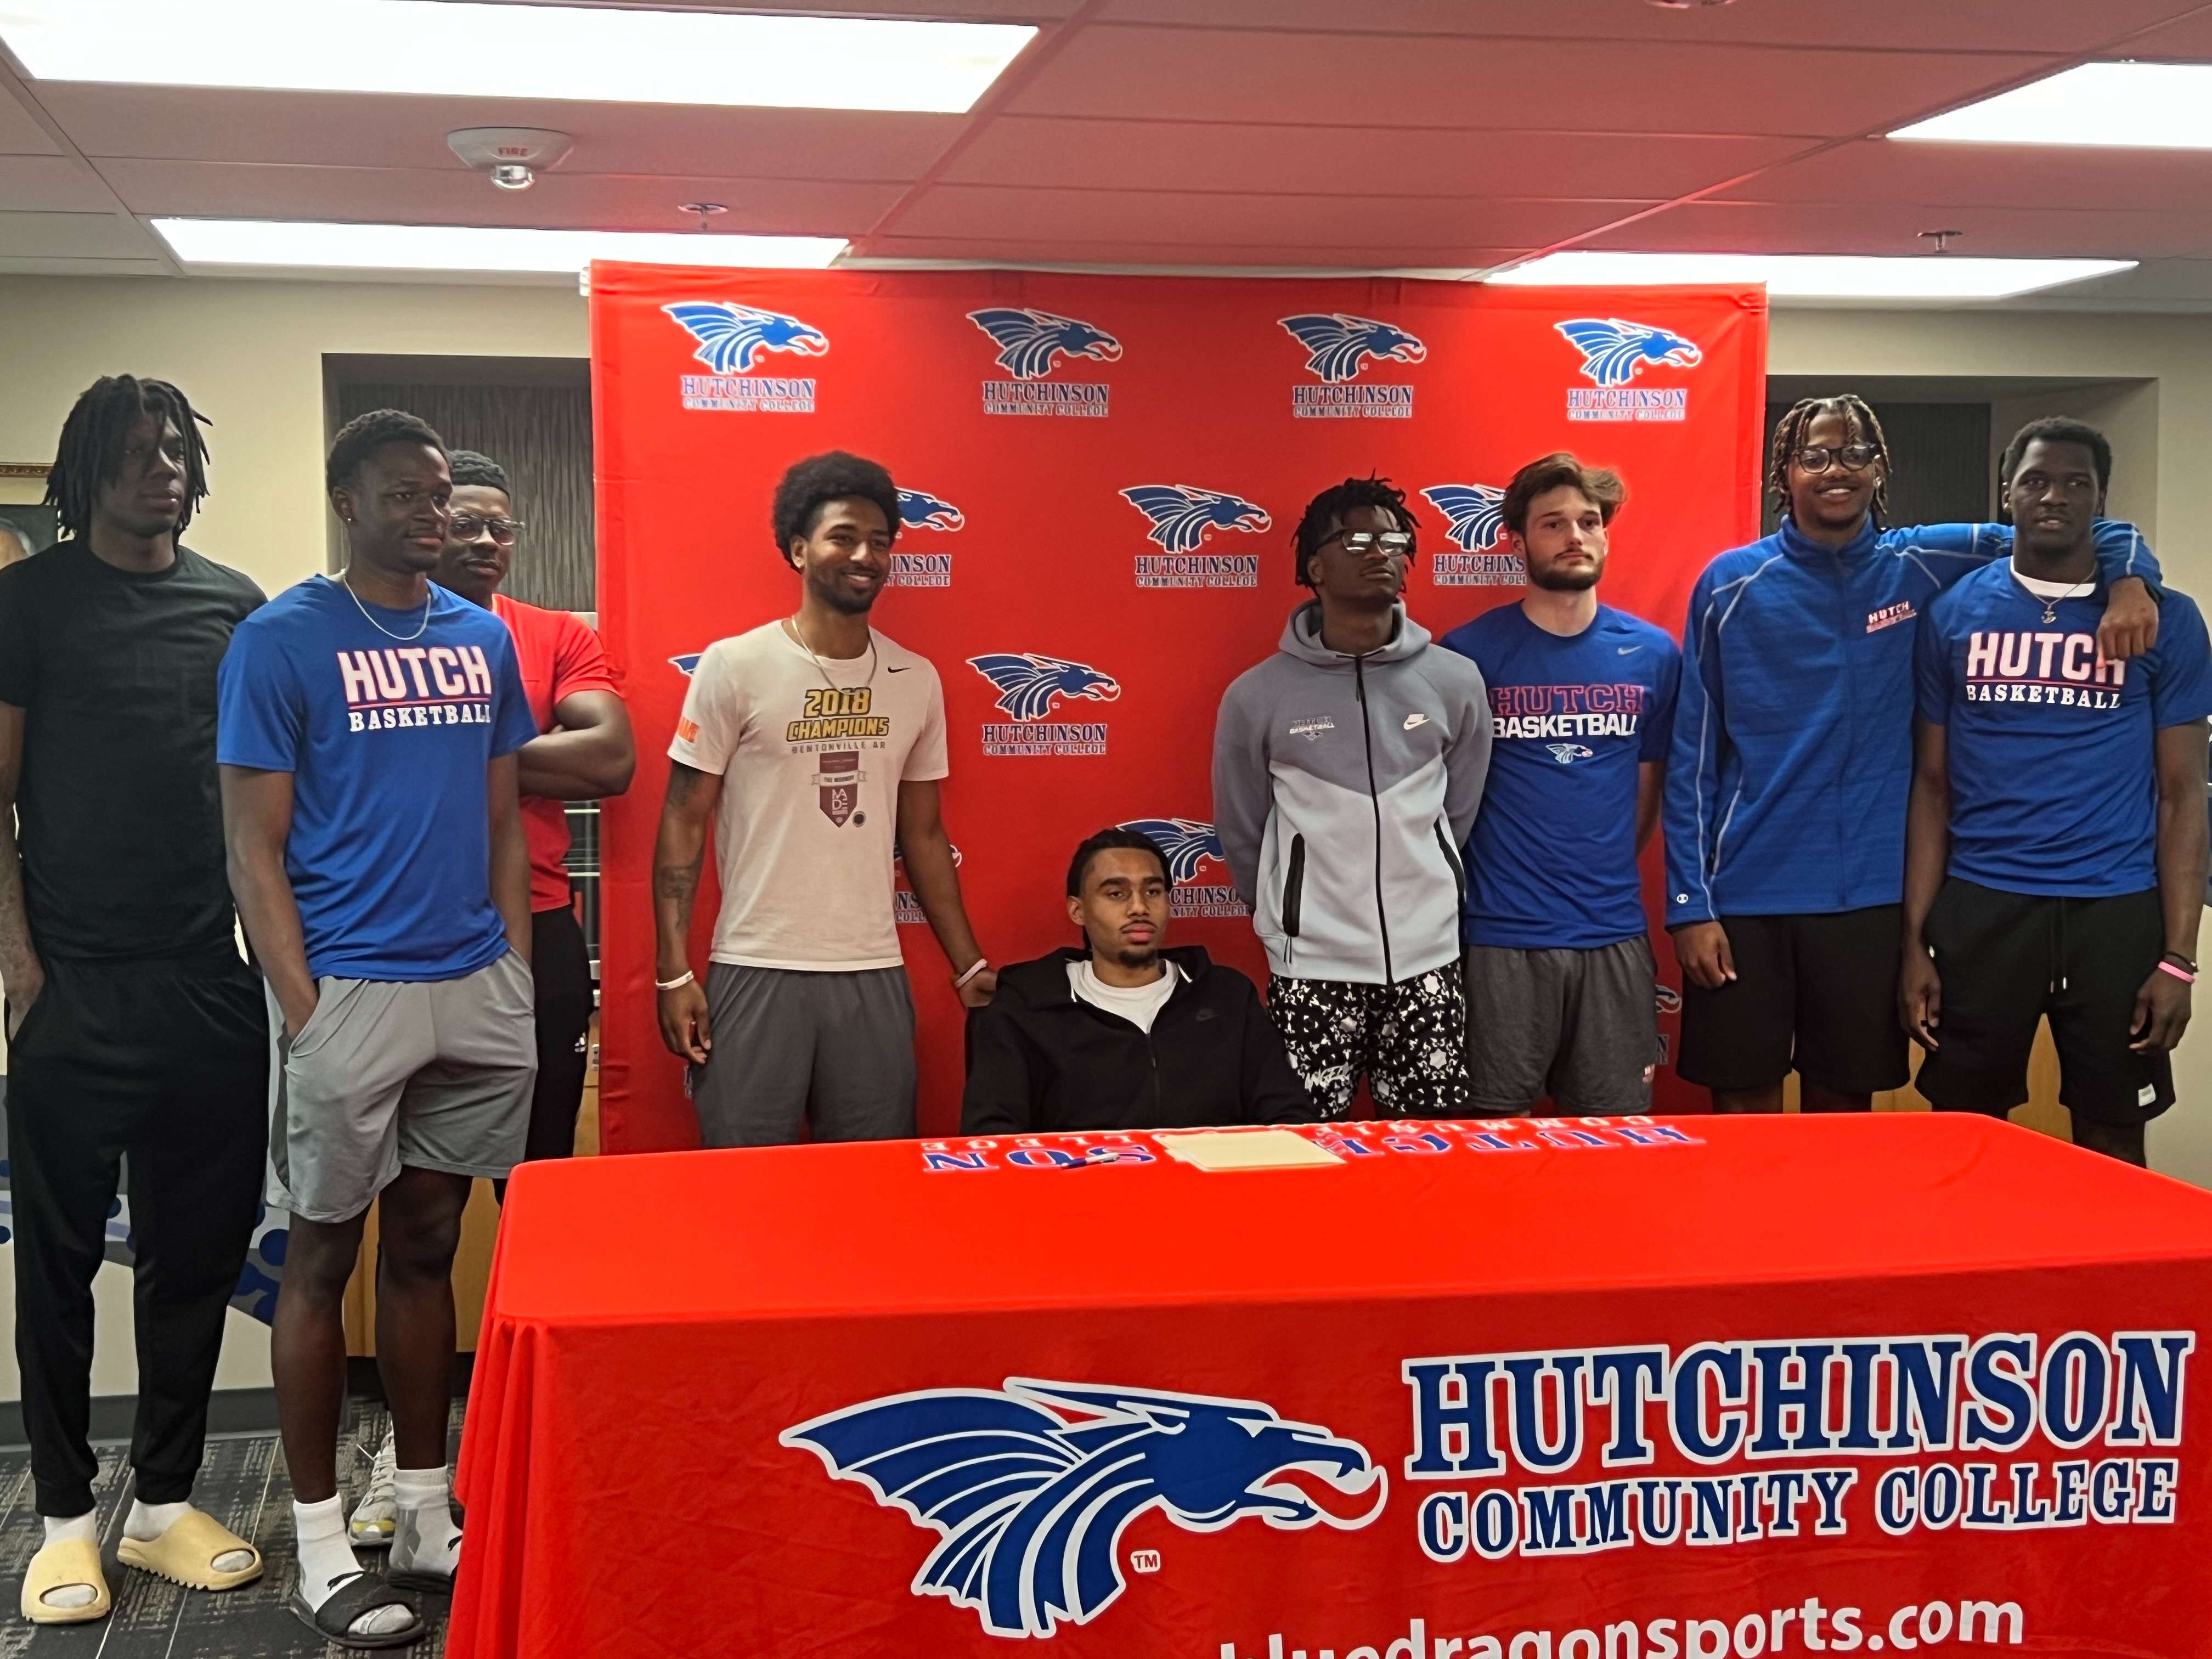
512, 156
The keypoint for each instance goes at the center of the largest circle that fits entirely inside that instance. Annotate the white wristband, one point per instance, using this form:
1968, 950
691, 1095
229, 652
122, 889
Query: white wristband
676, 984
979, 965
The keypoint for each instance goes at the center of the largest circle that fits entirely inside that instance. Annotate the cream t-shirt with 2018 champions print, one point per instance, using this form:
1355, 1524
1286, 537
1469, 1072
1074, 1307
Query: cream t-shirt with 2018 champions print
810, 758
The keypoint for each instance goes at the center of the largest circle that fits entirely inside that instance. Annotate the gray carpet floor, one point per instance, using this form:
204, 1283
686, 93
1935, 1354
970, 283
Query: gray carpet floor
243, 1485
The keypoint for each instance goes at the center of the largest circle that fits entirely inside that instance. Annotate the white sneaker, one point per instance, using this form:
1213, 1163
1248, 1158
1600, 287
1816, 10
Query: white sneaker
377, 1515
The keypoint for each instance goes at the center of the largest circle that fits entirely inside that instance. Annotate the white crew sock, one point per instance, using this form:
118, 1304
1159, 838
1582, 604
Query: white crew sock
59, 1529
326, 1564
426, 1539
147, 1522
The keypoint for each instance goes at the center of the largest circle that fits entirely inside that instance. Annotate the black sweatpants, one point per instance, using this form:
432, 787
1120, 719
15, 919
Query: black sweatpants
167, 1063
561, 965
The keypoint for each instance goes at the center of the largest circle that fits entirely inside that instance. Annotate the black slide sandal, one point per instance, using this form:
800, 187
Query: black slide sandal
365, 1593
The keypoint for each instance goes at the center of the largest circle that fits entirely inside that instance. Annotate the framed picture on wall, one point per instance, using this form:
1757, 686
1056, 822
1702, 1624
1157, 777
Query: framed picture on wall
26, 528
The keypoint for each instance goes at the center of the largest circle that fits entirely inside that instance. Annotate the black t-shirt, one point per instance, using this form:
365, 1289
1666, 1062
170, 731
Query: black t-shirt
119, 817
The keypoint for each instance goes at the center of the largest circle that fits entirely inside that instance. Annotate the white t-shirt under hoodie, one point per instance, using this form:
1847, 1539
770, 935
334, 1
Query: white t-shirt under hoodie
810, 759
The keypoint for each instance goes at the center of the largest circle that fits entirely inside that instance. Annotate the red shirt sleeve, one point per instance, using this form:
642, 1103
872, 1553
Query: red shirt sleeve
580, 663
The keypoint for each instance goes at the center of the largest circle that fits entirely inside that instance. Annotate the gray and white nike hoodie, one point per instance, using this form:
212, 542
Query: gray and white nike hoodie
1343, 789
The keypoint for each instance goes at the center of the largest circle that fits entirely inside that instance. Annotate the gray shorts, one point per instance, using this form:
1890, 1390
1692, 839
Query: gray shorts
431, 1076
794, 1049
1581, 1026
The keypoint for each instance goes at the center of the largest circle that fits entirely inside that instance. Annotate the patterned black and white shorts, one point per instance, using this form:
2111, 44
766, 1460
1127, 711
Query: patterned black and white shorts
1409, 1040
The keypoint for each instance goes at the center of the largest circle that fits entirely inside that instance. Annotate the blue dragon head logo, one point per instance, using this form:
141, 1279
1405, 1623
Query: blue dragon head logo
1030, 1488
919, 510
1030, 342
1185, 843
1615, 352
1028, 685
1475, 513
1338, 344
1568, 753
732, 338
1181, 516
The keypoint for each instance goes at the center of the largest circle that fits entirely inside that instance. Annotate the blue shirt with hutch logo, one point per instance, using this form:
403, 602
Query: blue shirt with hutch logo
2052, 754
388, 733
1551, 864
1792, 755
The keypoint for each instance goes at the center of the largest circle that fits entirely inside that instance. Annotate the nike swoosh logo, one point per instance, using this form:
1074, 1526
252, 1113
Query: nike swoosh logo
900, 670
1413, 720
1628, 650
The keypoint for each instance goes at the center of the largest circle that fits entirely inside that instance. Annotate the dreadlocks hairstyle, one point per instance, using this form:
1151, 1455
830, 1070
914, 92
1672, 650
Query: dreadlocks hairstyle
2057, 429
1790, 437
363, 435
93, 438
470, 467
1334, 503
832, 477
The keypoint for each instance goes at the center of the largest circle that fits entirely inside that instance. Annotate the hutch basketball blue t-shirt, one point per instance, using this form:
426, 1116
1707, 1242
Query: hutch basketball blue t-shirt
387, 737
2054, 789
1552, 862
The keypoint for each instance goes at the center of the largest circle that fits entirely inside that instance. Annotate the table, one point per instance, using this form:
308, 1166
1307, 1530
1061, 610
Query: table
1560, 1389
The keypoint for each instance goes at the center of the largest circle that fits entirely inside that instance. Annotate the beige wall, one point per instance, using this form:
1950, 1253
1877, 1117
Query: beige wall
2156, 406
250, 356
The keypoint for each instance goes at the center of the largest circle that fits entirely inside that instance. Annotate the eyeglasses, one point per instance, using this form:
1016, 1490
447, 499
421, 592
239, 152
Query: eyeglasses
1818, 458
1360, 542
467, 526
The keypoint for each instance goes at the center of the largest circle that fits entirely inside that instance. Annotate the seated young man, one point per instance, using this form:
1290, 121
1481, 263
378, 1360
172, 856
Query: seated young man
2055, 853
1125, 1034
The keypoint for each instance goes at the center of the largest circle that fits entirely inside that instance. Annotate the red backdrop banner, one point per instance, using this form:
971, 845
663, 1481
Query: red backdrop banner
1103, 472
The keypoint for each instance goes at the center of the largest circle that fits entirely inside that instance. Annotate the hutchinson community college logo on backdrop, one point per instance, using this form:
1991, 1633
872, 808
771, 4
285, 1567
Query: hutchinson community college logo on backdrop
1615, 353
1474, 524
1030, 687
1193, 853
905, 907
1033, 345
1029, 1487
732, 342
1340, 349
1182, 518
919, 510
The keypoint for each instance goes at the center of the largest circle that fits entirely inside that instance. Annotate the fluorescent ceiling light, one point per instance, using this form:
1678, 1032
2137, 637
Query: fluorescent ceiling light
303, 245
2133, 106
591, 53
1814, 276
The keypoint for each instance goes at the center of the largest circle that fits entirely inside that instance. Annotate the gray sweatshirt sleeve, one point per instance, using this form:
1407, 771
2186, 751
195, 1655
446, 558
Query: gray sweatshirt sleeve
1244, 793
1466, 761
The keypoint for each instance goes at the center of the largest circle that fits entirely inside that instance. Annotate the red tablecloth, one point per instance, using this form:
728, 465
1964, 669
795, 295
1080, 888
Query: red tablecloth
1724, 1387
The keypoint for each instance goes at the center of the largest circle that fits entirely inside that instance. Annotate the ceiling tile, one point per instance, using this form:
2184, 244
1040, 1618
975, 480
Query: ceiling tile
18, 265
2187, 41
1349, 79
1354, 160
53, 184
406, 195
2055, 26
2035, 232
1342, 227
1077, 251
1881, 170
75, 235
965, 11
185, 124
20, 135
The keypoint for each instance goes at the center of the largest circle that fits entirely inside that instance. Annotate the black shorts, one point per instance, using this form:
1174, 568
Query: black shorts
1817, 993
2007, 960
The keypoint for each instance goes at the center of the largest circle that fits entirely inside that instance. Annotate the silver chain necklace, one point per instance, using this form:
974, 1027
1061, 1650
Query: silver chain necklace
380, 626
2079, 589
799, 634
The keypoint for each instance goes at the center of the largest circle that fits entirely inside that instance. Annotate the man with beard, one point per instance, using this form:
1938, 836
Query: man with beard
1125, 1033
134, 1028
814, 746
1559, 972
1346, 771
2055, 853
